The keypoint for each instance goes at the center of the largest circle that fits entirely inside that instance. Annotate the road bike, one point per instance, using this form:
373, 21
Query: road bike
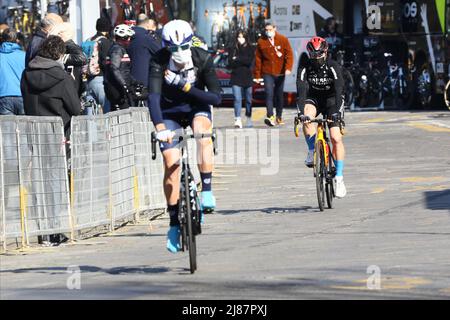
349, 83
89, 106
424, 88
190, 210
324, 168
395, 83
220, 28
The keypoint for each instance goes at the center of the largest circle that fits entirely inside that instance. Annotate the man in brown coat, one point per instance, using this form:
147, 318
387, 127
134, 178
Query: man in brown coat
274, 61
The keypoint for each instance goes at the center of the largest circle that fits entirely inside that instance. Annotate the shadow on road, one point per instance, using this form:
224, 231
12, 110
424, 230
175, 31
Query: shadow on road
274, 210
93, 269
437, 200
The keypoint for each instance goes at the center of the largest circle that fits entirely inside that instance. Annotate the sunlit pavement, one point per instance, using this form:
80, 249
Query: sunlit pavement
389, 238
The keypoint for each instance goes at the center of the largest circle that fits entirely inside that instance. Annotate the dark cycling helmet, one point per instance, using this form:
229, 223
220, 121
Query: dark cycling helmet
316, 47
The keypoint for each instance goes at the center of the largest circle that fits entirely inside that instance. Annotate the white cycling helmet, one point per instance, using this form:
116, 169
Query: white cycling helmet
177, 33
123, 31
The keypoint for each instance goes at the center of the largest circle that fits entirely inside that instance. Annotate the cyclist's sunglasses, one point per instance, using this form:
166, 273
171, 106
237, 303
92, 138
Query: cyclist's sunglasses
317, 55
183, 47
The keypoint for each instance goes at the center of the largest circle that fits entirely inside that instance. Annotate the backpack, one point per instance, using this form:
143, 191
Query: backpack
91, 50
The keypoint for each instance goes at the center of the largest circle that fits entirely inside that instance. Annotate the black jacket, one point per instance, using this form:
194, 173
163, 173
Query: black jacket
118, 68
74, 60
48, 90
35, 44
143, 46
240, 61
166, 100
320, 83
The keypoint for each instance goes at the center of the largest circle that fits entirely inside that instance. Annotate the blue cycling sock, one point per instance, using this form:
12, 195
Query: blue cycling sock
339, 168
206, 181
311, 141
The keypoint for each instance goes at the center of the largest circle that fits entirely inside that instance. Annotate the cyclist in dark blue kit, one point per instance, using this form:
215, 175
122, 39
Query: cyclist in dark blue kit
179, 75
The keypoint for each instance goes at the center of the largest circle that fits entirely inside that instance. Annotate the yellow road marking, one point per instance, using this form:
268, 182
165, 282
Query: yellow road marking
388, 284
259, 114
422, 188
374, 120
378, 190
422, 179
446, 290
428, 127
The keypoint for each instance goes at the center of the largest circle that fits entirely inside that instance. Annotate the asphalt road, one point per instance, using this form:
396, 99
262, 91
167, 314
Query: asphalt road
268, 240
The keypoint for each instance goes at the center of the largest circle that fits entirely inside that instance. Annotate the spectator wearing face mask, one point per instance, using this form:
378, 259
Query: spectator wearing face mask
241, 58
274, 61
50, 21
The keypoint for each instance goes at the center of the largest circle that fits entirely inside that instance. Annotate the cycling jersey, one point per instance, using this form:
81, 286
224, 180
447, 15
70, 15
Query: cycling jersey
320, 85
169, 102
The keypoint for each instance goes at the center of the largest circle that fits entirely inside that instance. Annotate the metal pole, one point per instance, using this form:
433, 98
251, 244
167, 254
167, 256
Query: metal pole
22, 193
3, 192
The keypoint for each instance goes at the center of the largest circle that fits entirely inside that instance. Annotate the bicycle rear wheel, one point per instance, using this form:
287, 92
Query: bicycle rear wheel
320, 179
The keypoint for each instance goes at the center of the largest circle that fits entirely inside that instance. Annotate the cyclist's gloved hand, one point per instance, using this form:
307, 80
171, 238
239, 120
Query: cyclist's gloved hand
335, 117
304, 118
165, 136
177, 80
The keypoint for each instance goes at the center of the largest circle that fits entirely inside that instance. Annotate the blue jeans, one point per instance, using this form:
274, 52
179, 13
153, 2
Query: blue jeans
274, 87
237, 93
97, 89
11, 106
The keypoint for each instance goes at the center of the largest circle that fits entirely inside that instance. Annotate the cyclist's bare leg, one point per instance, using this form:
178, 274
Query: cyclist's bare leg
339, 156
172, 176
202, 125
309, 129
338, 144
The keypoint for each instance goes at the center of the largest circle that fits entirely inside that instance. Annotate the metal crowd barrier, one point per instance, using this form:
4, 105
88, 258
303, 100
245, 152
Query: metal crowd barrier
34, 190
112, 176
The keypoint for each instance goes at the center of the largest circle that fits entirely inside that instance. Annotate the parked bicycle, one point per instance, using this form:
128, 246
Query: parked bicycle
395, 83
368, 84
220, 29
349, 89
424, 88
89, 106
190, 211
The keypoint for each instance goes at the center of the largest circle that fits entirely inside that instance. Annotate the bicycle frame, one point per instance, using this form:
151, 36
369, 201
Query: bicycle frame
321, 138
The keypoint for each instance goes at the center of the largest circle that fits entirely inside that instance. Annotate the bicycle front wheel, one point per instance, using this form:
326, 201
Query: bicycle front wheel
320, 178
191, 243
330, 182
447, 95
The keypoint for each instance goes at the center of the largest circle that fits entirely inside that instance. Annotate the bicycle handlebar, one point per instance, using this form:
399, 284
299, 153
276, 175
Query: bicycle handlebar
186, 137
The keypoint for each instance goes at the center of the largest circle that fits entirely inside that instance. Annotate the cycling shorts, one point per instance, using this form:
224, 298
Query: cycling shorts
327, 107
178, 121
